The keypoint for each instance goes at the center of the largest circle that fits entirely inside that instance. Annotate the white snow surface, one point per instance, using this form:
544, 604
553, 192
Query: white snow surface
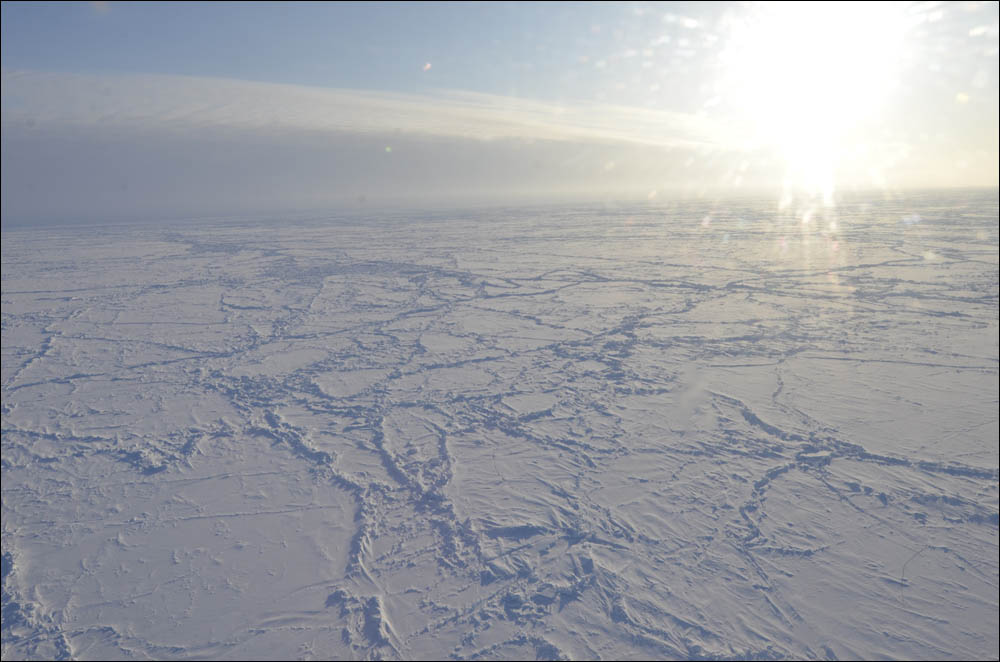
690, 431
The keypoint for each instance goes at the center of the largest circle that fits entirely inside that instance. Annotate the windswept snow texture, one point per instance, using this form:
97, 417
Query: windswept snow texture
686, 432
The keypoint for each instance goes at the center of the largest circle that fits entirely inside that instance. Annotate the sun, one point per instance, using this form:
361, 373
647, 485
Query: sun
808, 78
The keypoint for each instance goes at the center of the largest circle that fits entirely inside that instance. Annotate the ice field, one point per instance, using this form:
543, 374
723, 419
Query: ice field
683, 431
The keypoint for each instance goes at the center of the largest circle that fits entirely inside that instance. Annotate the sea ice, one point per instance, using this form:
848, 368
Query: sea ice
552, 432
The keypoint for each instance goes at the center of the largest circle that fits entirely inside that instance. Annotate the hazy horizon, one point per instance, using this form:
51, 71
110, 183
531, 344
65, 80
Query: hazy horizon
348, 208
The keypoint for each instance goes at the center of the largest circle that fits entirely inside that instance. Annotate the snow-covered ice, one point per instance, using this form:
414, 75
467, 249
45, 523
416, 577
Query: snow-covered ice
686, 431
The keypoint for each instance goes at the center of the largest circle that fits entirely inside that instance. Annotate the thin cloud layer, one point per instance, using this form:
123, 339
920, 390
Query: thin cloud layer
162, 101
108, 147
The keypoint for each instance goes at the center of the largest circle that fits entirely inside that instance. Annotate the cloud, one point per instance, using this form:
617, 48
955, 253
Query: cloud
161, 101
93, 147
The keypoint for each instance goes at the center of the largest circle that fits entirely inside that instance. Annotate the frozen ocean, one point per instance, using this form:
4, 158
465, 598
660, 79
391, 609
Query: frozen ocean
681, 431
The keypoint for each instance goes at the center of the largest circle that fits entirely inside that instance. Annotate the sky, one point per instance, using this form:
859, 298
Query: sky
121, 110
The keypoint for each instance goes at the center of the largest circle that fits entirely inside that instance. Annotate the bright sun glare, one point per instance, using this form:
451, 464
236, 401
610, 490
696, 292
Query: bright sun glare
807, 76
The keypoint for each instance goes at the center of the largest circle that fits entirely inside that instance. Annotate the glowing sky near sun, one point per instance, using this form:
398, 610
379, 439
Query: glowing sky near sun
125, 106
